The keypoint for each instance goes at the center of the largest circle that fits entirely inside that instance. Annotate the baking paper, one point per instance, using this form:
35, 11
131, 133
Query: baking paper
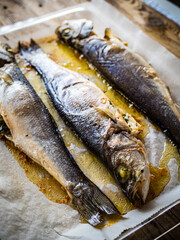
25, 213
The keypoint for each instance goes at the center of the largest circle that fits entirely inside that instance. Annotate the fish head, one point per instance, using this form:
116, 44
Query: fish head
133, 179
6, 54
71, 30
130, 166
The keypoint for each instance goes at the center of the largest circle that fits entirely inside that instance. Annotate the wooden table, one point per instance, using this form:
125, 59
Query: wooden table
167, 225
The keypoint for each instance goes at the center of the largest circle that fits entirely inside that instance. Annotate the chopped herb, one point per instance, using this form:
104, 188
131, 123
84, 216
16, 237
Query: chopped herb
133, 178
136, 124
125, 117
104, 91
127, 120
110, 102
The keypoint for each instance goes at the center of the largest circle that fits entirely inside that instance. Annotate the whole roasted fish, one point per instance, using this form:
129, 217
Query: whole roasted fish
33, 131
6, 55
97, 122
128, 71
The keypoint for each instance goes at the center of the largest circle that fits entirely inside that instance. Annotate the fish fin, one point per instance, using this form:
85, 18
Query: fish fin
34, 45
102, 202
87, 209
25, 48
22, 46
90, 202
109, 35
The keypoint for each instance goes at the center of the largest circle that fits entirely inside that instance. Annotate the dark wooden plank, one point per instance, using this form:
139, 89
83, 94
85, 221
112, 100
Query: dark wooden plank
172, 234
176, 2
163, 224
152, 22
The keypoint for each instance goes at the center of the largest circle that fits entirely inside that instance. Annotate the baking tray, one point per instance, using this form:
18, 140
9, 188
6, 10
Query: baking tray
101, 14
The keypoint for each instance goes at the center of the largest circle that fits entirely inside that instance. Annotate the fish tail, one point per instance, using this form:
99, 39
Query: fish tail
91, 202
88, 210
22, 47
26, 49
103, 203
34, 45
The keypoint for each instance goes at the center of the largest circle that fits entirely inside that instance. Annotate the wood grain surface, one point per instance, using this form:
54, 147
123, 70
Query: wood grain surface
12, 11
165, 226
153, 24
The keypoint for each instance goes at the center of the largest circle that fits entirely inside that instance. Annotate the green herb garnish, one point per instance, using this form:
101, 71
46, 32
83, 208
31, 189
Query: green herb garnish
110, 102
133, 178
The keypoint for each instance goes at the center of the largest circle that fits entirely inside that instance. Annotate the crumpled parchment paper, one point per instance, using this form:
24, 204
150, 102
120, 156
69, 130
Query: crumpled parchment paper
25, 213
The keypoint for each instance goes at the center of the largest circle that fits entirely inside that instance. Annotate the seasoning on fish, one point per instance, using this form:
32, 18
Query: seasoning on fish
34, 132
6, 55
97, 122
128, 71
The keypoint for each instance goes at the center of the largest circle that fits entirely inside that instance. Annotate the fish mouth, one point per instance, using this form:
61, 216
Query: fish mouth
70, 30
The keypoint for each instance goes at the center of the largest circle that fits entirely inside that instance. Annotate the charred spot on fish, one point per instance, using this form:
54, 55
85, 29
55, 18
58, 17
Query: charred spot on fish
2, 62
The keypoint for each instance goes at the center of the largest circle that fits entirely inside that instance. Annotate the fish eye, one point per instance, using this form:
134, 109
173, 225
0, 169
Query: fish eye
66, 32
123, 173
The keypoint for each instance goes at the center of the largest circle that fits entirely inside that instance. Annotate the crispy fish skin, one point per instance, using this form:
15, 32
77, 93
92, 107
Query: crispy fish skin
34, 132
6, 55
128, 71
87, 110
